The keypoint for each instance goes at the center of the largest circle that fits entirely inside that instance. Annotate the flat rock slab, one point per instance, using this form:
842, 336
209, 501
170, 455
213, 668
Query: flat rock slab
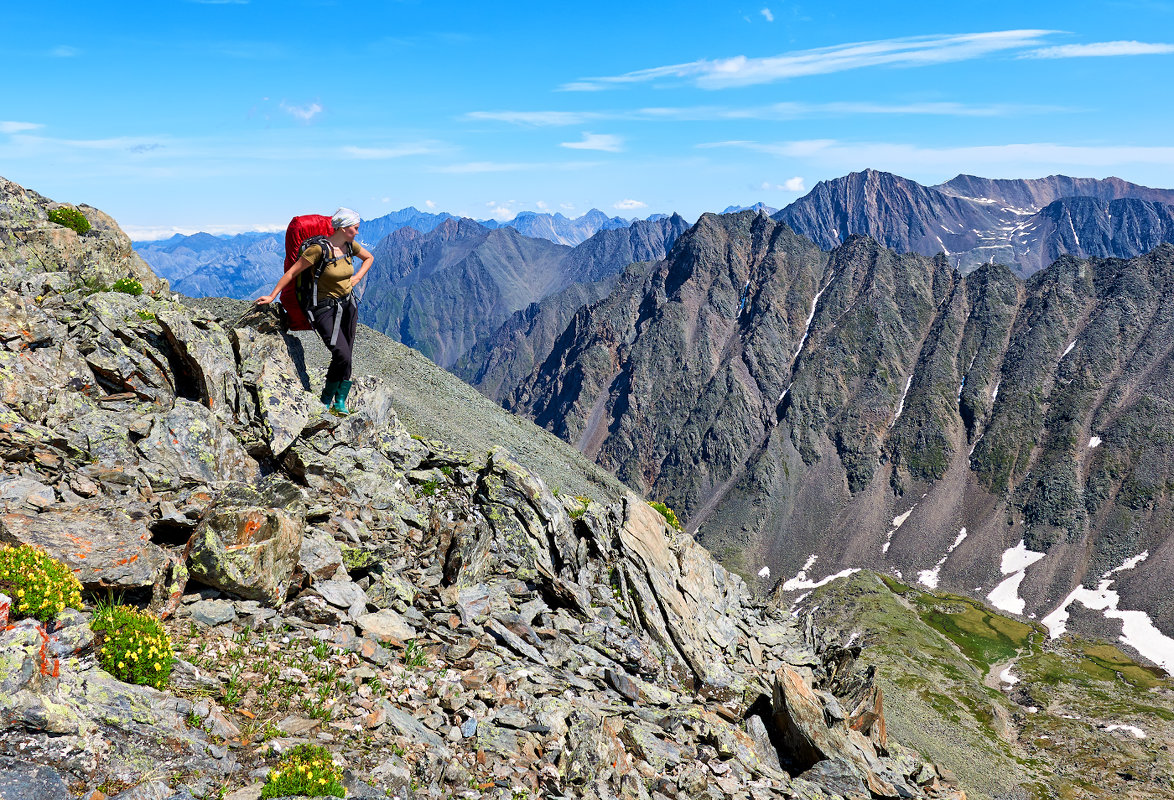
385, 625
213, 612
189, 442
102, 545
343, 594
20, 780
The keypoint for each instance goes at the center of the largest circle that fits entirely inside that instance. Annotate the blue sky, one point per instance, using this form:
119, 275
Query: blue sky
228, 115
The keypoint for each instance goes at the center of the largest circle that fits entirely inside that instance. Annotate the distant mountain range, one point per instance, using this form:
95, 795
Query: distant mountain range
443, 291
1025, 224
248, 264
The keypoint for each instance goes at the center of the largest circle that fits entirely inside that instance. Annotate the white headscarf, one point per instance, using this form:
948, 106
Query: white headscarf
344, 218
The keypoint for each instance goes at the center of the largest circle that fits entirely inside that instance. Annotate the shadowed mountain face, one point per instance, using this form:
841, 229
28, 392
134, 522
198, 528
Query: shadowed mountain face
978, 220
877, 409
443, 291
498, 363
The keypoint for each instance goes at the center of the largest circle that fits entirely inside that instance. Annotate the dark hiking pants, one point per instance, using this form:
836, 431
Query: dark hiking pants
335, 321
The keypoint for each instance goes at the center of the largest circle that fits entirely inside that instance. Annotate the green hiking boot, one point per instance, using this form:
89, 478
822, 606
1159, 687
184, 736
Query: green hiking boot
329, 392
339, 404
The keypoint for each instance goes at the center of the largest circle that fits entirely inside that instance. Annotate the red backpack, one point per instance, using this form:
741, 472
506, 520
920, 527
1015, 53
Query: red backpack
300, 296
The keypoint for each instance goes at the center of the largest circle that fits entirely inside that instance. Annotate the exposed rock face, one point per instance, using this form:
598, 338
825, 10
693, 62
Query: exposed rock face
566, 646
1026, 224
56, 257
442, 292
793, 403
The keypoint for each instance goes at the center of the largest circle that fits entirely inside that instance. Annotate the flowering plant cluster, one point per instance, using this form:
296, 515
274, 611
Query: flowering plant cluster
132, 286
305, 771
135, 649
70, 218
669, 515
40, 585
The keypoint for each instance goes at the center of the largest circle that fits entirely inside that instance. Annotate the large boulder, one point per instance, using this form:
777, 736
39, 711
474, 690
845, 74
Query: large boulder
249, 542
102, 544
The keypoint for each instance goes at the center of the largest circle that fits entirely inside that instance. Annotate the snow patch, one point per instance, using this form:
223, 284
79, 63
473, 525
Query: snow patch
929, 577
995, 393
1094, 441
764, 572
1137, 732
1015, 562
898, 521
1137, 629
901, 404
1019, 558
1008, 677
1069, 348
810, 317
801, 581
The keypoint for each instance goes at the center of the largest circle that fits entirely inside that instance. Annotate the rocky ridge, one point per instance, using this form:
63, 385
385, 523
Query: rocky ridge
868, 408
442, 621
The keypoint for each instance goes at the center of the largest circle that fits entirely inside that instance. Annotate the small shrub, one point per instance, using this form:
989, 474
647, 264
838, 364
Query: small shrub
576, 513
136, 647
414, 654
40, 585
145, 315
306, 770
71, 218
131, 286
669, 515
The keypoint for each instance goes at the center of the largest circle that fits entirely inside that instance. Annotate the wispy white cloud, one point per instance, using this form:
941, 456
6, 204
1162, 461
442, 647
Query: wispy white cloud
773, 111
767, 15
1127, 48
383, 153
789, 185
912, 51
539, 119
597, 141
629, 205
429, 204
65, 51
474, 167
19, 127
304, 113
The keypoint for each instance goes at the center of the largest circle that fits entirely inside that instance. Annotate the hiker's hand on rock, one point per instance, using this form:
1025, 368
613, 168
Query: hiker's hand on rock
264, 300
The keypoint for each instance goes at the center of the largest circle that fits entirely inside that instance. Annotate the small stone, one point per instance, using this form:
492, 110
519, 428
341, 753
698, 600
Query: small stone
297, 726
213, 612
469, 728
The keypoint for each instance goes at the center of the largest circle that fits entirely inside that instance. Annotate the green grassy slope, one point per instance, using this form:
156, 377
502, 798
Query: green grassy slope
1047, 735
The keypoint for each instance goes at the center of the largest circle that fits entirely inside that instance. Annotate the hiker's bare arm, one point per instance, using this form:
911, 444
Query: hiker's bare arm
368, 260
301, 264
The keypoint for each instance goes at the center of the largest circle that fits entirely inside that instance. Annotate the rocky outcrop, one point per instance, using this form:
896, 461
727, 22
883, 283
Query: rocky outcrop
883, 410
558, 645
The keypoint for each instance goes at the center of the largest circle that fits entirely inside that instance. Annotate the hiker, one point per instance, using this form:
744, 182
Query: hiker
336, 312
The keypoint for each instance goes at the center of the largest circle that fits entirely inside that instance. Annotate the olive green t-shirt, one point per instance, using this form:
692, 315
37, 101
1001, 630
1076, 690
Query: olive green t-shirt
336, 278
